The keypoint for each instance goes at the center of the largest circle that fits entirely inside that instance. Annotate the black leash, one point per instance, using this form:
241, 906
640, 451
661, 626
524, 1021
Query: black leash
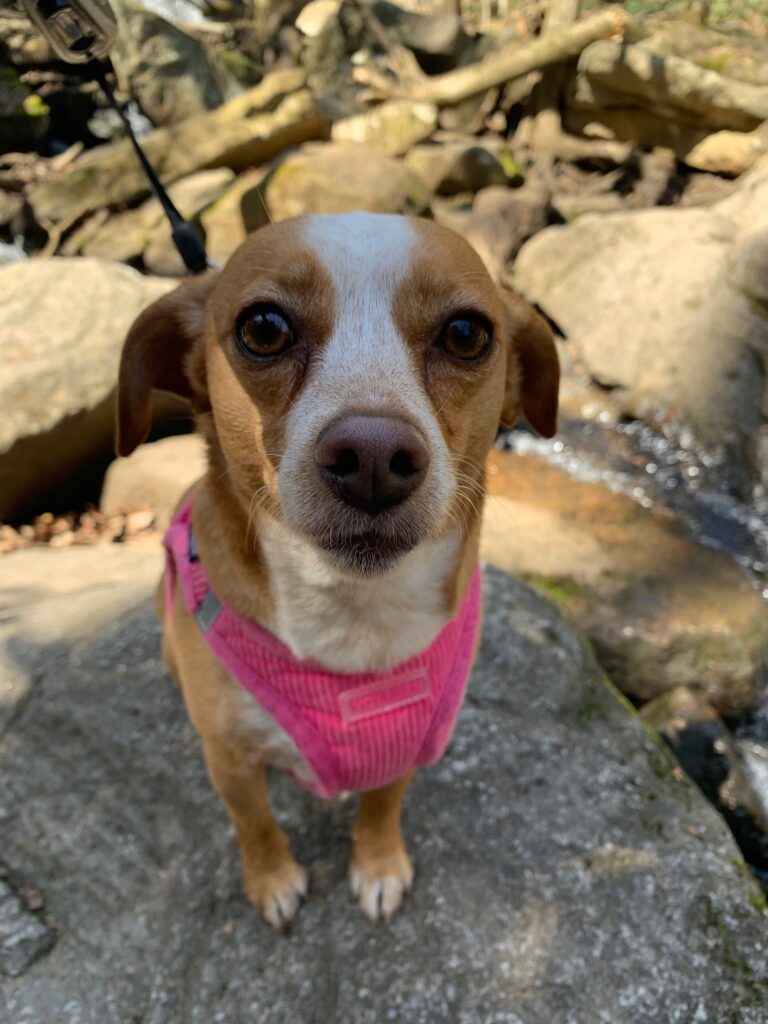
185, 237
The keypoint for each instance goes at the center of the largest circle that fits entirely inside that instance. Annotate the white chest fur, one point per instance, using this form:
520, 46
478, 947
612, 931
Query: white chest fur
355, 625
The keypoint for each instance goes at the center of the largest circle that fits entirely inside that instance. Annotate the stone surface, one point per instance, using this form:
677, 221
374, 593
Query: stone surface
342, 176
167, 71
436, 37
391, 128
155, 474
661, 611
64, 322
669, 307
564, 872
144, 231
500, 221
638, 73
24, 936
466, 166
730, 153
250, 129
229, 221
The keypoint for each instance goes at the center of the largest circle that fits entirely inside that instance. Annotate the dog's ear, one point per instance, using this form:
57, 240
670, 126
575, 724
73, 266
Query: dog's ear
533, 368
157, 354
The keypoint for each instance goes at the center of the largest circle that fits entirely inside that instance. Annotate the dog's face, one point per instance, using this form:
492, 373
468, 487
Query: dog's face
350, 373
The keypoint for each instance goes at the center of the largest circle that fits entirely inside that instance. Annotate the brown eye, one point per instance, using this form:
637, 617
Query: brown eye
467, 337
263, 332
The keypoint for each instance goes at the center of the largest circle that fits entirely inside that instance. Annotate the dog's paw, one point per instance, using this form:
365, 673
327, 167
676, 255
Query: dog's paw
379, 882
278, 892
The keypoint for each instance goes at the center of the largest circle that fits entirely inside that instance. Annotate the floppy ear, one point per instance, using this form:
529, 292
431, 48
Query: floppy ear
156, 354
533, 368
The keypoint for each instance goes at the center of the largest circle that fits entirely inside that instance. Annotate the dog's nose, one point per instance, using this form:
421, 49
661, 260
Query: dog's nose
371, 462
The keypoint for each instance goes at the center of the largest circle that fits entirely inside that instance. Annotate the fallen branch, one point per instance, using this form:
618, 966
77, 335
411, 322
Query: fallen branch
515, 60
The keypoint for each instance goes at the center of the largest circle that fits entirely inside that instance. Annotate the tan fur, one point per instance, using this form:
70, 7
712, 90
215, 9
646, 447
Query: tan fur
252, 551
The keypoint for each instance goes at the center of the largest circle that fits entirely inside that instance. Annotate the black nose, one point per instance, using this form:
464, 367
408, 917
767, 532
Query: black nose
371, 462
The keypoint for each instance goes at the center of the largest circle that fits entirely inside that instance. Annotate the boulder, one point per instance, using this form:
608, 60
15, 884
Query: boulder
250, 129
64, 322
145, 231
463, 166
669, 307
611, 73
391, 128
730, 153
229, 221
155, 475
661, 610
500, 221
436, 37
342, 176
317, 16
165, 69
565, 872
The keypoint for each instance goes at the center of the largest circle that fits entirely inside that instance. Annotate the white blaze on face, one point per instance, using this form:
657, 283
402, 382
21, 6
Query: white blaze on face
365, 366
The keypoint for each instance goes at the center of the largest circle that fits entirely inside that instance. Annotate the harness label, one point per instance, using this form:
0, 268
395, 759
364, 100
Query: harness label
380, 697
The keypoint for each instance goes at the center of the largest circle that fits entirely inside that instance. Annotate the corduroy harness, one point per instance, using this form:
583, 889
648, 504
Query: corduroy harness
355, 730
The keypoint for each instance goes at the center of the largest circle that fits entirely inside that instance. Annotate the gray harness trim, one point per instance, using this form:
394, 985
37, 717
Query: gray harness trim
209, 608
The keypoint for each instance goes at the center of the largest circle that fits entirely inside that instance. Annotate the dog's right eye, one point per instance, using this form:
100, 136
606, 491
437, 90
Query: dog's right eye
263, 332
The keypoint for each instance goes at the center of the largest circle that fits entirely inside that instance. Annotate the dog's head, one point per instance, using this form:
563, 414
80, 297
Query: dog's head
350, 373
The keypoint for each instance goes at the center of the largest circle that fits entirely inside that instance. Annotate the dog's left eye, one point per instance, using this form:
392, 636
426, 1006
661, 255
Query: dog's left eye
263, 331
467, 337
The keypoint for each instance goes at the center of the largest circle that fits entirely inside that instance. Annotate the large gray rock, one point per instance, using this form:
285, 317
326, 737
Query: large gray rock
668, 305
63, 326
564, 872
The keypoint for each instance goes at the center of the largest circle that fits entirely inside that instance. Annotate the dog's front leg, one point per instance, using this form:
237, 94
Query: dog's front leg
274, 881
380, 872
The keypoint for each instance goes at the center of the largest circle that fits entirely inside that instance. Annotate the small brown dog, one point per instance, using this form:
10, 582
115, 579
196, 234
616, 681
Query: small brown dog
349, 374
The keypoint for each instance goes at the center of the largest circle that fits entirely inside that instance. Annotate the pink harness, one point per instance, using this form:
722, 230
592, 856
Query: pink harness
355, 730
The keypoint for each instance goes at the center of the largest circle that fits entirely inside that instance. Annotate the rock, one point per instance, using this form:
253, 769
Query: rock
156, 475
668, 305
229, 220
661, 611
57, 597
165, 69
670, 84
145, 231
730, 153
342, 176
64, 322
466, 166
437, 38
534, 899
500, 221
250, 129
391, 128
317, 16
24, 937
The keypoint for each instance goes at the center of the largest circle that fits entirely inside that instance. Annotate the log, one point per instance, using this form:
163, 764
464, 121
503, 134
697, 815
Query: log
516, 60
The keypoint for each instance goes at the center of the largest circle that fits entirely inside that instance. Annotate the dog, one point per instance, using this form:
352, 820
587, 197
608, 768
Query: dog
320, 606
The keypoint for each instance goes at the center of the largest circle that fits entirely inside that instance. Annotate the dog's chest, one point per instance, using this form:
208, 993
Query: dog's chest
359, 625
